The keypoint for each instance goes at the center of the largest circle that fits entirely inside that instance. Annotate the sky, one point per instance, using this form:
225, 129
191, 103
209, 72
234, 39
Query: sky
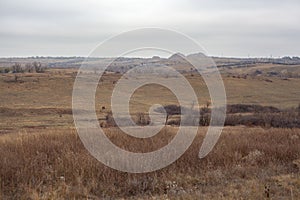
237, 28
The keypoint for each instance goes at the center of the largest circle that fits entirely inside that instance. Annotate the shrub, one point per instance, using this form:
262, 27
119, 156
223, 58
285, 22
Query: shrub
170, 109
17, 68
110, 120
29, 68
250, 108
6, 70
142, 119
38, 67
204, 119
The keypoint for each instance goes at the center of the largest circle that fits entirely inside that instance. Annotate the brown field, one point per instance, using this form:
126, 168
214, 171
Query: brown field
41, 156
53, 164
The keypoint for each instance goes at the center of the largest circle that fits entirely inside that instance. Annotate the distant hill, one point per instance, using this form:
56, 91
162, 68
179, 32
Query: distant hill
198, 55
177, 57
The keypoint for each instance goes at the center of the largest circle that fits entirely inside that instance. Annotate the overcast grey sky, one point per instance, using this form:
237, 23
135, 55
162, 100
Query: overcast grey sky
74, 27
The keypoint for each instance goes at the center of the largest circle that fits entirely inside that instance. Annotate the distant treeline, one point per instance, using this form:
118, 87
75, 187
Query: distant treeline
35, 67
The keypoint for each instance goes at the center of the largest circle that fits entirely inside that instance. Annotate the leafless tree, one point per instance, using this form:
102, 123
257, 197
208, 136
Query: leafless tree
17, 68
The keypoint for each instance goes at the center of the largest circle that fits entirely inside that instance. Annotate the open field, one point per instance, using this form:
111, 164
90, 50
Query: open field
53, 164
44, 99
41, 156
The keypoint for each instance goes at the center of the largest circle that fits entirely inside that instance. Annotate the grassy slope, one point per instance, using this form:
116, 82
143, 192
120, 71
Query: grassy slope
53, 164
43, 157
35, 92
55, 90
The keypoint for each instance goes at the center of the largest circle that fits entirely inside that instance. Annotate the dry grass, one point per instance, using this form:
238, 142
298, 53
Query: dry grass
37, 94
53, 164
54, 89
42, 157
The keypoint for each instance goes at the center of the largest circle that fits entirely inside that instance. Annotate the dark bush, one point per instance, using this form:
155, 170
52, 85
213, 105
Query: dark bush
250, 108
204, 119
170, 110
174, 122
142, 119
6, 70
110, 120
283, 119
239, 114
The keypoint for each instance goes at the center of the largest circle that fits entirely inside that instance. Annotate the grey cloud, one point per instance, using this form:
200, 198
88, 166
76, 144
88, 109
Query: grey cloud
233, 27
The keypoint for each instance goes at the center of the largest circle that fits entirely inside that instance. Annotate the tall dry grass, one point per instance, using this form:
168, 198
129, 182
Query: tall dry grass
55, 165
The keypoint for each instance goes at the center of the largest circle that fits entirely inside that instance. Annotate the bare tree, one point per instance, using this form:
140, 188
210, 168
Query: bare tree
29, 68
17, 68
38, 67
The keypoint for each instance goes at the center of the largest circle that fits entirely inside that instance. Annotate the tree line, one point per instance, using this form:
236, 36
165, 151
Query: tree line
35, 67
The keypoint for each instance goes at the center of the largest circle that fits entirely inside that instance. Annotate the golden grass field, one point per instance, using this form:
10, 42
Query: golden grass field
53, 164
41, 156
43, 100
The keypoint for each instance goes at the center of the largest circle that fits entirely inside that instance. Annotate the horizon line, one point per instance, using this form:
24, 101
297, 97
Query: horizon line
145, 57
